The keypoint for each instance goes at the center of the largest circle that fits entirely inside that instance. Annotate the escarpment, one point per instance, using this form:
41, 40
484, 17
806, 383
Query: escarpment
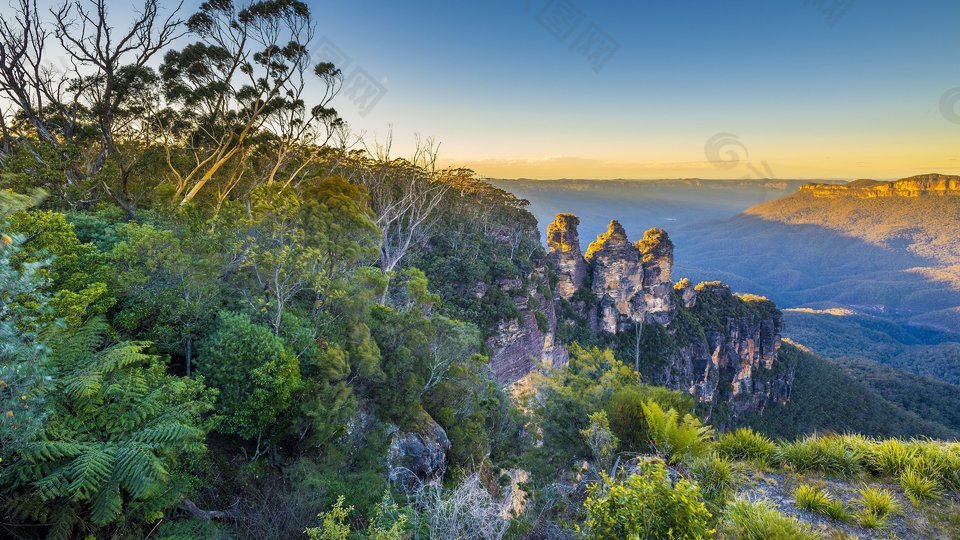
915, 186
720, 347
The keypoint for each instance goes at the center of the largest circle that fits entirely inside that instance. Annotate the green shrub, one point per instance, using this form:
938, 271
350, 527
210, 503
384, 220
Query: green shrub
716, 477
333, 524
748, 520
890, 456
877, 505
830, 455
646, 505
676, 439
256, 375
814, 498
625, 410
918, 486
746, 444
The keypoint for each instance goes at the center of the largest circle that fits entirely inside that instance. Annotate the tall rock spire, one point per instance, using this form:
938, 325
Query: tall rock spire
563, 243
617, 276
656, 253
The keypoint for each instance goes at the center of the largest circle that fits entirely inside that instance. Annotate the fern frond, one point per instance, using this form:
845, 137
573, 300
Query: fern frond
89, 471
173, 432
82, 385
50, 450
106, 505
132, 466
62, 520
51, 486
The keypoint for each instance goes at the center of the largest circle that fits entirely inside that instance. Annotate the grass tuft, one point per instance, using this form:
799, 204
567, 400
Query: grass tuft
746, 444
747, 520
827, 454
918, 486
877, 505
815, 499
716, 477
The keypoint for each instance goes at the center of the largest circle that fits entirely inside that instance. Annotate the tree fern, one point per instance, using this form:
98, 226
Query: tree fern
116, 427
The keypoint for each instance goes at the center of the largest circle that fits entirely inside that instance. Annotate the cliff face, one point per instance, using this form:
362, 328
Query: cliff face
522, 344
915, 186
742, 337
720, 347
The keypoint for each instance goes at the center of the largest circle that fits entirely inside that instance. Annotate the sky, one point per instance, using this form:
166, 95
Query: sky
734, 89
807, 89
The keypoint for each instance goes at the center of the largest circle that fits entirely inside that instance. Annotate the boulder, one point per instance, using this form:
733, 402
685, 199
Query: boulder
419, 457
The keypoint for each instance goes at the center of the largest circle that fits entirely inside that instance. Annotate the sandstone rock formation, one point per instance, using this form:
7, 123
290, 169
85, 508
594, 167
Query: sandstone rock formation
563, 243
617, 277
741, 372
656, 253
720, 347
632, 282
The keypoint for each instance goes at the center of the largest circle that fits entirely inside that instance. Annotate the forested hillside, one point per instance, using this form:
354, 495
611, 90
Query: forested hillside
223, 315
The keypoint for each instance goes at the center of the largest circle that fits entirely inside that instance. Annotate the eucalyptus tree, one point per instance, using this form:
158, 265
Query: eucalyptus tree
238, 92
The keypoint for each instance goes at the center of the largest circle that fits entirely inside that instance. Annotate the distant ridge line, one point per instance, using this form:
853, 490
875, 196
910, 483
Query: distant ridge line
914, 186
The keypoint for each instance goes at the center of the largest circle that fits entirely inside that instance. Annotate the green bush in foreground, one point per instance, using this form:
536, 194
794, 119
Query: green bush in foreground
877, 505
746, 444
748, 520
646, 505
675, 438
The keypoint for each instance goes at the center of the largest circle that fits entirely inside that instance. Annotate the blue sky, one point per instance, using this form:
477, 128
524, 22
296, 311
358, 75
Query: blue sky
789, 87
804, 91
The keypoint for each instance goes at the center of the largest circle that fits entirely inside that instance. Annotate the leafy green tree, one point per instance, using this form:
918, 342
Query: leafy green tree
568, 396
247, 70
646, 506
74, 270
109, 453
301, 245
326, 400
255, 373
168, 284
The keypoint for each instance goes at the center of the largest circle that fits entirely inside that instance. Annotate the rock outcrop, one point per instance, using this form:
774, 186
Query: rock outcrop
418, 457
563, 245
617, 277
743, 336
632, 282
720, 347
656, 255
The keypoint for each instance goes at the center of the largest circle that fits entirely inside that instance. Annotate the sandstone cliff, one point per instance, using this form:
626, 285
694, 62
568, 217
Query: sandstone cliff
720, 347
522, 344
915, 186
563, 243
